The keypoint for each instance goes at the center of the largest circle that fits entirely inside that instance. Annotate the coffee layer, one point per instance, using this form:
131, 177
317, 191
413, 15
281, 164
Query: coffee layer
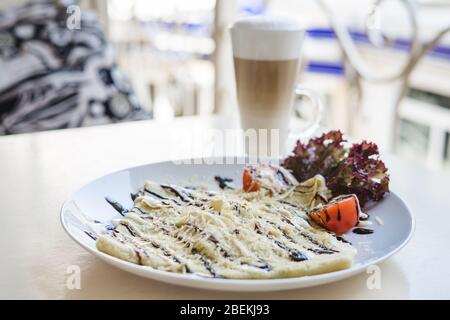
265, 88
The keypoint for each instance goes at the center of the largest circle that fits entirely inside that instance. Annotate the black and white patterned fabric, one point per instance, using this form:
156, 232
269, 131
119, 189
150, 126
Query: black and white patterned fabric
54, 77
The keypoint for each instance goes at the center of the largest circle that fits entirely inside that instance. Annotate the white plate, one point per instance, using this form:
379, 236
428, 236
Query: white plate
79, 213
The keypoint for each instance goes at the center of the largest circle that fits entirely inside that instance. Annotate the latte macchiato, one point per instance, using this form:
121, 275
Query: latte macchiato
266, 52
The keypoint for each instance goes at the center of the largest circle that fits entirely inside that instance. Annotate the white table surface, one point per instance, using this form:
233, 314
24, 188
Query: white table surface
39, 171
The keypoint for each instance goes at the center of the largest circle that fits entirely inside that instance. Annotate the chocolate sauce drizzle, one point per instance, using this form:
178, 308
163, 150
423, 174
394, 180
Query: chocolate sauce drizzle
134, 196
343, 240
362, 231
117, 206
92, 236
282, 178
160, 196
294, 254
183, 195
223, 182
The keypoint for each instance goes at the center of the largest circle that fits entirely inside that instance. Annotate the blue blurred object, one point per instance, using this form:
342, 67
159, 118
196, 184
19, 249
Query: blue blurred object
338, 68
252, 7
439, 51
326, 67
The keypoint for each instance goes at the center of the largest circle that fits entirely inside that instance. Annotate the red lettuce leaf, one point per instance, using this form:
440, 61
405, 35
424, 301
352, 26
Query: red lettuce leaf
357, 170
320, 155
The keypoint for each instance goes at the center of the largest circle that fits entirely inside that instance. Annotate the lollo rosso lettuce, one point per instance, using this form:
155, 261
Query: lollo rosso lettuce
357, 169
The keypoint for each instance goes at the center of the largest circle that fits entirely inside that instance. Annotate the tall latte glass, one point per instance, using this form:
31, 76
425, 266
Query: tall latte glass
266, 52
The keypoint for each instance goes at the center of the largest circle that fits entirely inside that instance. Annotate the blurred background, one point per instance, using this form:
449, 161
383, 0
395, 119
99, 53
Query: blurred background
163, 59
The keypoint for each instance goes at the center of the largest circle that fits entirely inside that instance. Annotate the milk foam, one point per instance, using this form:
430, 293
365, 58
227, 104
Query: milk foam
267, 38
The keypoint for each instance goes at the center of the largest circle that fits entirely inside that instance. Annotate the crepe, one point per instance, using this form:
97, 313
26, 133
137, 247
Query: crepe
228, 234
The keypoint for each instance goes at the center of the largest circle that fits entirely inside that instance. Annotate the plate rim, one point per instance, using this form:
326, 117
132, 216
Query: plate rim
244, 285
